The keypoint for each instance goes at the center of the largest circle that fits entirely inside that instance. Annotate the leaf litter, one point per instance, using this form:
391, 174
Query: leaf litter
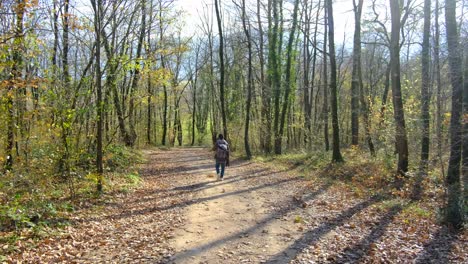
321, 222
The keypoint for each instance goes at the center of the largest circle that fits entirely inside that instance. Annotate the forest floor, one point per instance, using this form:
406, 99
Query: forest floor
259, 214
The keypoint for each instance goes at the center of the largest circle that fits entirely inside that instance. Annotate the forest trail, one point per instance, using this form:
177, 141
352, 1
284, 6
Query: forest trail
239, 220
181, 214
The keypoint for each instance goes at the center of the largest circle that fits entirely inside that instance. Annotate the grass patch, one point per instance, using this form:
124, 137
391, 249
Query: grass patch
302, 161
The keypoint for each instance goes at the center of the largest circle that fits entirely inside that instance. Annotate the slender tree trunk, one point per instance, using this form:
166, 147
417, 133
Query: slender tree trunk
265, 128
401, 138
425, 94
325, 82
194, 84
163, 65
306, 80
97, 5
150, 89
361, 92
454, 215
314, 66
65, 119
274, 71
136, 74
355, 78
56, 31
288, 82
221, 68
313, 99
438, 82
15, 80
333, 86
248, 152
149, 112
465, 133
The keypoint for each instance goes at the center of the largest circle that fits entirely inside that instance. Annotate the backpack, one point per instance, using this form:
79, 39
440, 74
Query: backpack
222, 152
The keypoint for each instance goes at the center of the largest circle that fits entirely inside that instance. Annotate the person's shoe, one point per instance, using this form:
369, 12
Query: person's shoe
222, 178
217, 177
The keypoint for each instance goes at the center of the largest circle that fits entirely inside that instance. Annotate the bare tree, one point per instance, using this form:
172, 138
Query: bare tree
98, 13
355, 83
454, 215
246, 26
401, 137
221, 68
336, 157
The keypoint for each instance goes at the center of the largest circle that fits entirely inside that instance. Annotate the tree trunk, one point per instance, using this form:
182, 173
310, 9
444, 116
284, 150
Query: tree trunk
97, 6
221, 68
15, 80
401, 138
355, 78
325, 83
288, 82
274, 72
65, 119
149, 120
365, 109
265, 127
425, 95
136, 74
163, 65
248, 152
333, 86
312, 79
306, 80
438, 81
454, 215
465, 132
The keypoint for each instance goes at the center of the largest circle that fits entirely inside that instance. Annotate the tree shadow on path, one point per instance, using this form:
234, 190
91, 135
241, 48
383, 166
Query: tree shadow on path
284, 209
439, 248
355, 253
314, 235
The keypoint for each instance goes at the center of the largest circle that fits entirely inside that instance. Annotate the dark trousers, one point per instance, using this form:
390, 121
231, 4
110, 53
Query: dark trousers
223, 166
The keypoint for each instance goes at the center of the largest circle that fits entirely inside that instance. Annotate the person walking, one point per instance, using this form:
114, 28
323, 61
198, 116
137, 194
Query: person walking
221, 156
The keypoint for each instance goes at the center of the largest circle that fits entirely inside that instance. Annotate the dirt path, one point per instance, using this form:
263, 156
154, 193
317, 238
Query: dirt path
242, 219
181, 214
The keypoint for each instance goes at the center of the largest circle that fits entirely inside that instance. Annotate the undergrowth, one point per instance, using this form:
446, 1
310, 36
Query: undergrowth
31, 207
365, 176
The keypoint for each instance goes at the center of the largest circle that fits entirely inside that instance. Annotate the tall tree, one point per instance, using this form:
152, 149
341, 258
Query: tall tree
65, 119
454, 215
14, 80
312, 79
465, 131
273, 68
163, 65
438, 80
136, 74
288, 81
425, 87
246, 27
306, 69
325, 80
221, 68
401, 137
355, 83
97, 7
265, 128
149, 112
362, 94
336, 156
